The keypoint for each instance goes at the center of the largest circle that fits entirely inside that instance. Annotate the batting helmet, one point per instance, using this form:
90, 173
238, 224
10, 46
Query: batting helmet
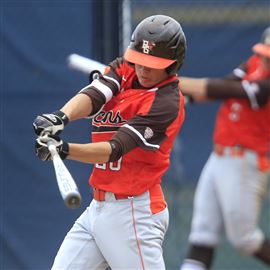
263, 48
157, 42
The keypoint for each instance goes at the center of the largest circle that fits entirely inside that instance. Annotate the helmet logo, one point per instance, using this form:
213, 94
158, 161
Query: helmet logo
147, 46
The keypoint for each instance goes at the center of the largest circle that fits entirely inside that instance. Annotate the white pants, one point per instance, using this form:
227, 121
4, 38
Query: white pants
229, 196
122, 234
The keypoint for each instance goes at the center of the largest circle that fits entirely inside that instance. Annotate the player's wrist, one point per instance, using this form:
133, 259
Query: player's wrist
62, 116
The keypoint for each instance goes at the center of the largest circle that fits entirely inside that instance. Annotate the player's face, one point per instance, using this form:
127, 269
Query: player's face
149, 77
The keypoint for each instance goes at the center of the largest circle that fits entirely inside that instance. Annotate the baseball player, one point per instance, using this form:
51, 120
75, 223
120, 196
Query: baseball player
234, 179
137, 111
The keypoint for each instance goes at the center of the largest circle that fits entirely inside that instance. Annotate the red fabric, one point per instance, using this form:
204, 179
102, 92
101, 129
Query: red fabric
138, 170
238, 124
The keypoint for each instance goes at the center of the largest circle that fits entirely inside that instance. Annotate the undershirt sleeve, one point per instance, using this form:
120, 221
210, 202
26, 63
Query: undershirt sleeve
121, 144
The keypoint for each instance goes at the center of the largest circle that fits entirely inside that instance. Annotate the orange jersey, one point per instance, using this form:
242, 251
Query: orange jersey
238, 124
153, 117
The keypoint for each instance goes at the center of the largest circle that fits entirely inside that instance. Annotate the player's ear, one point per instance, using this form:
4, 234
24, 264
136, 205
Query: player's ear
171, 68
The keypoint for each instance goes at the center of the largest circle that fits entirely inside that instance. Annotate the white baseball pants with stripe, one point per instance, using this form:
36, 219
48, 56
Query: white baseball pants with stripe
122, 234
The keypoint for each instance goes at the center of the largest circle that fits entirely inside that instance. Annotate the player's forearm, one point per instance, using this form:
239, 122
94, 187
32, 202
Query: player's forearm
194, 87
209, 89
80, 106
90, 153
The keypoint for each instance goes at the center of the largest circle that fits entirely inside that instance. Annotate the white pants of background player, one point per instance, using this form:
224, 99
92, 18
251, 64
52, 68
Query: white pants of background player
122, 234
228, 196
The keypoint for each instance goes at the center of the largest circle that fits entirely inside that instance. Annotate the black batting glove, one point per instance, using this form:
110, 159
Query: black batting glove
52, 123
42, 151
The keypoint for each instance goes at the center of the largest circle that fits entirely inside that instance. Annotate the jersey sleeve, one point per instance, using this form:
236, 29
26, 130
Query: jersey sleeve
104, 86
148, 128
238, 73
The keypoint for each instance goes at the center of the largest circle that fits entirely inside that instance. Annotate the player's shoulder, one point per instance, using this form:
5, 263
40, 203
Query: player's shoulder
169, 87
168, 97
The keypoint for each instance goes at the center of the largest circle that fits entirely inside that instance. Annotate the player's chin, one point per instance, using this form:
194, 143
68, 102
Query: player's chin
146, 83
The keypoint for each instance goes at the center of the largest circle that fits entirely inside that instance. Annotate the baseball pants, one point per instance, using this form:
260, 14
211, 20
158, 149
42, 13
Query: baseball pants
229, 196
122, 234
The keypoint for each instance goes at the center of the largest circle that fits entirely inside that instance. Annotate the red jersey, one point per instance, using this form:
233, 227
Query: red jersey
238, 124
153, 117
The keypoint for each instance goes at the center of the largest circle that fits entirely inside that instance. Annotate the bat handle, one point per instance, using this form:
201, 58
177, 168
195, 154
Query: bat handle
52, 148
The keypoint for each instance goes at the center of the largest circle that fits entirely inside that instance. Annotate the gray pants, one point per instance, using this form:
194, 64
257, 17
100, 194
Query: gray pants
122, 234
229, 196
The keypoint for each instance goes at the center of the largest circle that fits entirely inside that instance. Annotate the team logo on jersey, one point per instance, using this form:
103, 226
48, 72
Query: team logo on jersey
109, 117
148, 133
147, 46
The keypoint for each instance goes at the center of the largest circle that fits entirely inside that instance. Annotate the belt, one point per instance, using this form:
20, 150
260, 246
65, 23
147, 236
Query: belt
100, 195
236, 151
263, 162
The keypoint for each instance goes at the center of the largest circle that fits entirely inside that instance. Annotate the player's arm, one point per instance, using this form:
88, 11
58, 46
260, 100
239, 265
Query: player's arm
91, 99
100, 152
198, 88
86, 103
203, 89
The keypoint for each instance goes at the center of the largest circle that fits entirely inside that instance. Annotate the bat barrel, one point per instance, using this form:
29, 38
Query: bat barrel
65, 181
73, 200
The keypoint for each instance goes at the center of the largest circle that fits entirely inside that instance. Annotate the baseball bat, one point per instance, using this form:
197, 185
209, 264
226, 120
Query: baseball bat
66, 184
84, 64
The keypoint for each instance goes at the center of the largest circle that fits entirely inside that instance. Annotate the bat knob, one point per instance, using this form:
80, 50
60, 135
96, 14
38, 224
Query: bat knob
73, 201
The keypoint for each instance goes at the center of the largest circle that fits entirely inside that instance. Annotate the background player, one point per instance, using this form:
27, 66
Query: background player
137, 111
234, 179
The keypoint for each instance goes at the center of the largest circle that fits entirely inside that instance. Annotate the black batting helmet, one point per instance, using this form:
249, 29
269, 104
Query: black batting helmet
263, 48
157, 42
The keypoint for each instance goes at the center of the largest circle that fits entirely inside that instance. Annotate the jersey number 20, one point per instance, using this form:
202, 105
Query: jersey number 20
113, 166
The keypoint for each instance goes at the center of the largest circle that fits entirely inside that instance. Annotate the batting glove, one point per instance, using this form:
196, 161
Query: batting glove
42, 151
52, 123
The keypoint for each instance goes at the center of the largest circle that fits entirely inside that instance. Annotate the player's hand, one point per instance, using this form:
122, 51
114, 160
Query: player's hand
52, 123
42, 151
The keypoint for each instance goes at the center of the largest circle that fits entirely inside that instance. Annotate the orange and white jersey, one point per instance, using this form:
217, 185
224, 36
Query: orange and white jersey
237, 123
153, 117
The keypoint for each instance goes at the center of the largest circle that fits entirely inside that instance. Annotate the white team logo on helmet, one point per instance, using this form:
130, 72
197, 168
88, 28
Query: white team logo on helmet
148, 133
147, 46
